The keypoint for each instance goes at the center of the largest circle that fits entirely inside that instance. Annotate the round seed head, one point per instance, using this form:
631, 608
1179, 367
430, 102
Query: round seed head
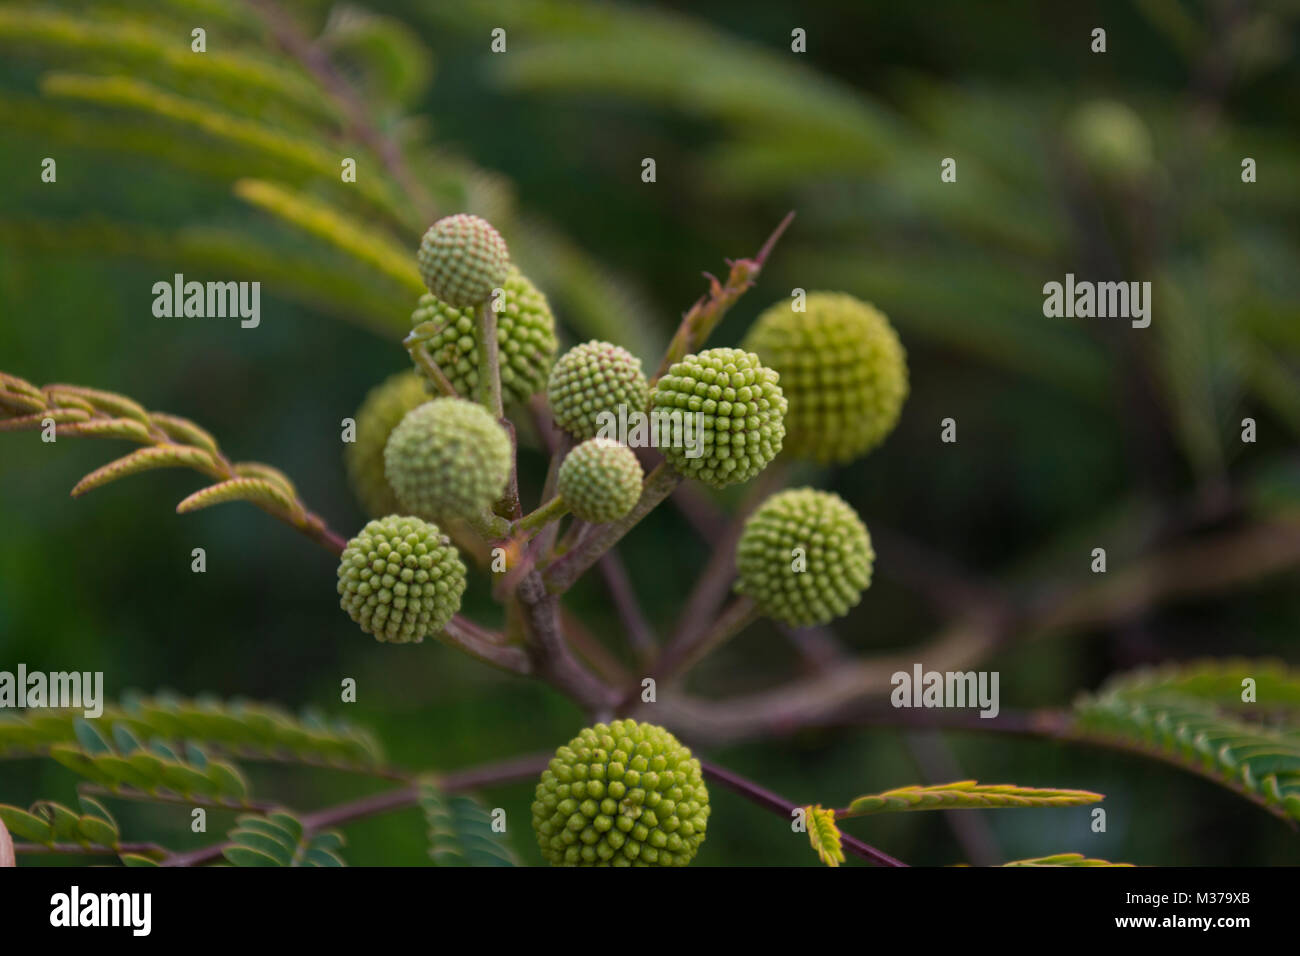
401, 579
600, 480
384, 406
448, 458
621, 794
462, 259
804, 557
526, 339
843, 371
741, 412
592, 379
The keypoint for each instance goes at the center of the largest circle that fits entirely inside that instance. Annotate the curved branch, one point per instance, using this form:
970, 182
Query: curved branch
1206, 566
783, 807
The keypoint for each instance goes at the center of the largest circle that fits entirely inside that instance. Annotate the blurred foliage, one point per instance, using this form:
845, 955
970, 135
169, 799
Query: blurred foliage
1073, 433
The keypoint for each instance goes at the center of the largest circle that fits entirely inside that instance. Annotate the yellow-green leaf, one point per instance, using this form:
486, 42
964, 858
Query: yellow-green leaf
127, 428
824, 835
110, 403
146, 459
1064, 859
966, 795
258, 491
185, 431
60, 416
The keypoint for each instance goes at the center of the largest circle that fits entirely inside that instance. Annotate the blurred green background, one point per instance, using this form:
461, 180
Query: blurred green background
1072, 434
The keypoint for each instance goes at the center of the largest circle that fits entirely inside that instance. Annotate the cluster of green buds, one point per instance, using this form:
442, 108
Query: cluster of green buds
824, 383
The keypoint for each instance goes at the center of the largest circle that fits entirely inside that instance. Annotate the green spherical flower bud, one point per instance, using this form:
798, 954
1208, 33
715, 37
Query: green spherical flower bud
526, 339
592, 379
738, 406
621, 794
401, 579
462, 259
384, 406
448, 458
842, 369
600, 480
1111, 140
804, 557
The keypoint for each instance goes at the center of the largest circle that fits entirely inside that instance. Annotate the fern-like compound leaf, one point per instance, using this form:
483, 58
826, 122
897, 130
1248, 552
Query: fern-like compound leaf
146, 459
460, 830
48, 823
153, 769
336, 228
258, 491
109, 403
824, 835
302, 154
278, 839
1064, 859
127, 429
1198, 717
966, 795
243, 729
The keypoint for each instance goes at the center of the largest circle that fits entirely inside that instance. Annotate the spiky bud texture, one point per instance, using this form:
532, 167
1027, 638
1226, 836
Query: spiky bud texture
804, 557
593, 378
621, 794
447, 458
742, 412
600, 480
384, 406
526, 339
462, 259
842, 369
401, 579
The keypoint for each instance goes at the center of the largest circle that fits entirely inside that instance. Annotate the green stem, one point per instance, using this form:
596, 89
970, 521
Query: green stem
543, 515
419, 352
488, 391
659, 484
490, 527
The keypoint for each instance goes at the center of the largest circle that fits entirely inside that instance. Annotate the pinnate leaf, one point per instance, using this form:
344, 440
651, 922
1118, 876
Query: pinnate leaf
258, 491
1195, 717
966, 795
278, 839
1064, 859
146, 459
824, 835
460, 830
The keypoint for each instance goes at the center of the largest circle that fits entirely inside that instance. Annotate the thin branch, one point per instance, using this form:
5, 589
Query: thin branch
551, 656
688, 651
592, 651
544, 514
817, 646
418, 348
629, 609
459, 781
468, 637
704, 316
785, 808
1198, 569
564, 571
714, 583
